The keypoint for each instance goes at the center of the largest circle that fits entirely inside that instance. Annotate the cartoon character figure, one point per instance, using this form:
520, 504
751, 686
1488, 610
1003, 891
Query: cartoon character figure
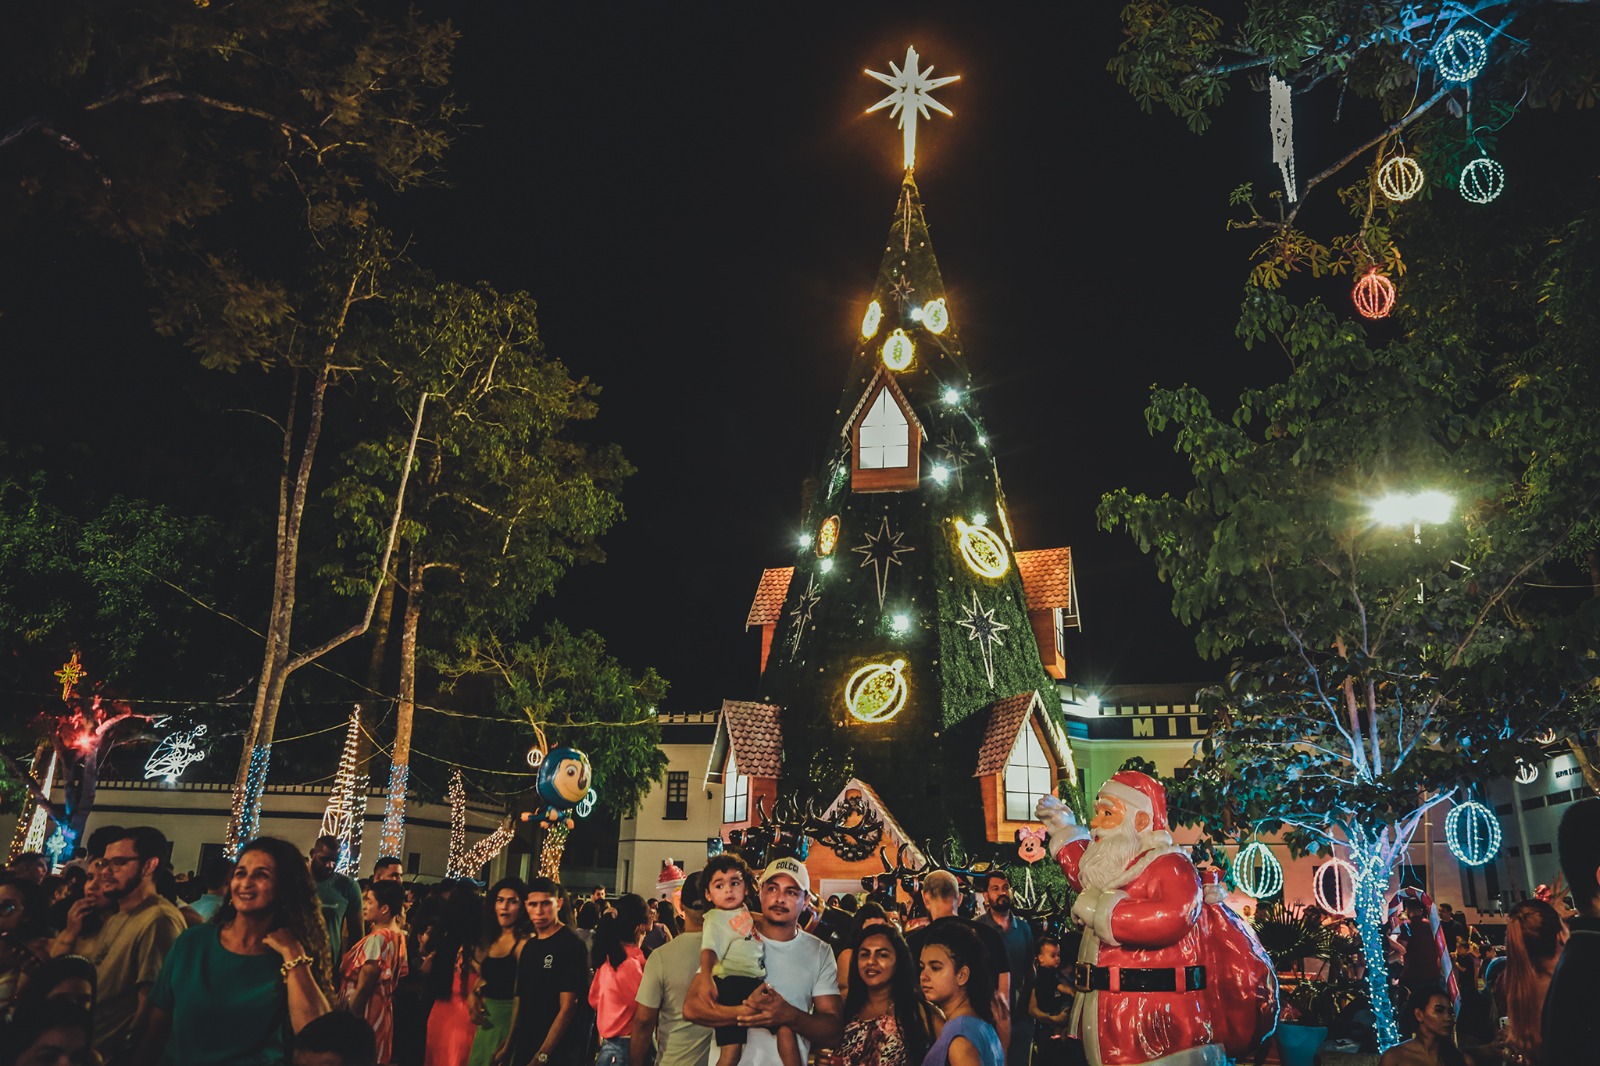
1030, 843
563, 784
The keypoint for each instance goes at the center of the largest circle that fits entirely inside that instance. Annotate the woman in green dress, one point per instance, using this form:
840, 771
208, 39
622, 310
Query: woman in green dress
506, 929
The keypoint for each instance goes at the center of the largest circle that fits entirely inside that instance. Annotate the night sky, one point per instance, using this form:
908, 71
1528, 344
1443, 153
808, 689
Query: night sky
700, 204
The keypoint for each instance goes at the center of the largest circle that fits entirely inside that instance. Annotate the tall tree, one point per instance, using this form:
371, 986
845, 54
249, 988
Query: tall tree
505, 500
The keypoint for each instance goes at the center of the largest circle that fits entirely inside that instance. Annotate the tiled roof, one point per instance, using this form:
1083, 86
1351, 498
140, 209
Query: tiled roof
1047, 578
768, 604
1000, 736
756, 736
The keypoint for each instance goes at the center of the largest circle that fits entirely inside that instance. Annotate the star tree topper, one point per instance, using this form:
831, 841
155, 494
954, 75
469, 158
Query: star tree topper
912, 96
981, 627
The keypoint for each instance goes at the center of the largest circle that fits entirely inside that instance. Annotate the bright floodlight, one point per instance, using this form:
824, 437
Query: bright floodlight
1092, 702
805, 541
1412, 508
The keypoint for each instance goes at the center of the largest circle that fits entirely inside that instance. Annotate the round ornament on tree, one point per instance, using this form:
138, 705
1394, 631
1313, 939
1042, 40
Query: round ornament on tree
1334, 887
1257, 871
870, 320
1461, 55
898, 350
1400, 178
1373, 294
982, 550
828, 536
1472, 832
877, 692
935, 316
1482, 180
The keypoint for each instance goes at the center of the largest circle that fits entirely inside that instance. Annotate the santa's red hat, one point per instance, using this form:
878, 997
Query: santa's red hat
1142, 793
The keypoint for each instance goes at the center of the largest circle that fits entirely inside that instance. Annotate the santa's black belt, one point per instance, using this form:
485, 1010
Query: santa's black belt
1087, 978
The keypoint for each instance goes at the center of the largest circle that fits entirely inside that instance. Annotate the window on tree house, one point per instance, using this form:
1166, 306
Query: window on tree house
1028, 775
885, 442
735, 793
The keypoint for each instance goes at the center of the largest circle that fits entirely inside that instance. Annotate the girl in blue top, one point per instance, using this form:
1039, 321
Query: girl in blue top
956, 980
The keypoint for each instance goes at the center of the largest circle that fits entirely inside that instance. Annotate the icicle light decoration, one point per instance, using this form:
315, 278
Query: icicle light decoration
1282, 125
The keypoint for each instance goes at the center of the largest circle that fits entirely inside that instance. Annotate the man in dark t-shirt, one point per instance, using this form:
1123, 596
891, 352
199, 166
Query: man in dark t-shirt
1571, 1024
548, 1021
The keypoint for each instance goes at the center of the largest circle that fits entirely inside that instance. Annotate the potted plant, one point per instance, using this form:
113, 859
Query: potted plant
1307, 1009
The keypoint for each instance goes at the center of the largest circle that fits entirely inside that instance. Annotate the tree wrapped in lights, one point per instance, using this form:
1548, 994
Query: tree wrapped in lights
346, 813
465, 862
1375, 704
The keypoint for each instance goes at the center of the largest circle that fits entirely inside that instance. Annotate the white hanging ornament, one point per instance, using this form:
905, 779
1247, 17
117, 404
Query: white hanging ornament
1334, 887
1482, 180
1472, 832
1460, 56
1281, 124
1257, 871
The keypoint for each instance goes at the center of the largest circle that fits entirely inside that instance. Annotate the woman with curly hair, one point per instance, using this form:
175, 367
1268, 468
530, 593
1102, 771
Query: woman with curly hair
236, 989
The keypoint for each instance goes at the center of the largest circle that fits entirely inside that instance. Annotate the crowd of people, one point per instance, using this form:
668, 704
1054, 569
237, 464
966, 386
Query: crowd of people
276, 957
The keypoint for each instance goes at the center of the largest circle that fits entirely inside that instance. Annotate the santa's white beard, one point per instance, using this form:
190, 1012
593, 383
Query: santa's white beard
1107, 857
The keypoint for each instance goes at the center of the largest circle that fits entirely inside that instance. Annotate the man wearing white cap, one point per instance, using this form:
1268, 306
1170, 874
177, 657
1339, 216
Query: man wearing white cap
801, 991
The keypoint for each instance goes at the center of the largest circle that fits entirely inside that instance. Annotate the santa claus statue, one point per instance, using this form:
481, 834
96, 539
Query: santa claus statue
1165, 973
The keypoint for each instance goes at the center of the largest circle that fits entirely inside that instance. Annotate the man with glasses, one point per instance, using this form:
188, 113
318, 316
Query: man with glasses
548, 1027
134, 941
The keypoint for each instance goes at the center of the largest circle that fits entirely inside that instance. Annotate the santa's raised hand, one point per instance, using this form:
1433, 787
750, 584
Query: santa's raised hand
1060, 821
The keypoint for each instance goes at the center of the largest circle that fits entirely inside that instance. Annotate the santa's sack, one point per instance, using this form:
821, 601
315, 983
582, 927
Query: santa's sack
1241, 985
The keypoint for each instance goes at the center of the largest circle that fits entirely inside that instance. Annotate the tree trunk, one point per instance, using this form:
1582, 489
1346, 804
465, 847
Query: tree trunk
40, 777
357, 813
1373, 868
550, 852
394, 807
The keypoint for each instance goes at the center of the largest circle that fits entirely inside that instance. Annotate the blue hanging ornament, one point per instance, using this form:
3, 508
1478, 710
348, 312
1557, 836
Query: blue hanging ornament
1257, 871
1472, 833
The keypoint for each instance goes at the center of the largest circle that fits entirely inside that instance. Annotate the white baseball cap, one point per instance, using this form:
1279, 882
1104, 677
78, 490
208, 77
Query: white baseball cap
787, 865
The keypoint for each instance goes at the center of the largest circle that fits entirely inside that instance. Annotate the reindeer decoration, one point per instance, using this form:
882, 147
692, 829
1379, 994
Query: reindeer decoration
852, 832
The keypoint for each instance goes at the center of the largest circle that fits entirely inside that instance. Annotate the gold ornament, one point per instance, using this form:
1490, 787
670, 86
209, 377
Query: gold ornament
898, 350
982, 550
877, 692
870, 320
936, 316
1400, 178
828, 536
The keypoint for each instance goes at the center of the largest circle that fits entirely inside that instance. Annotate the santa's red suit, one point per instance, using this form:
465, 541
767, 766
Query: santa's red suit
1141, 961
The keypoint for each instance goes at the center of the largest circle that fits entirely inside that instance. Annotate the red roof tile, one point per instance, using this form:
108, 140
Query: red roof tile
756, 736
1000, 736
1047, 578
768, 603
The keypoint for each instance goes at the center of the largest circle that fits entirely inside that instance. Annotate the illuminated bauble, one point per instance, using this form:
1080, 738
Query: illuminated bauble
898, 350
1257, 871
1461, 55
982, 550
586, 805
936, 316
828, 535
1482, 180
1373, 294
877, 692
1545, 736
870, 320
1472, 832
535, 756
1334, 887
1527, 773
1400, 178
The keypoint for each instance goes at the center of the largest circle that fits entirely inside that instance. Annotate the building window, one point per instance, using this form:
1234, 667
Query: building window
677, 795
1028, 776
735, 793
885, 441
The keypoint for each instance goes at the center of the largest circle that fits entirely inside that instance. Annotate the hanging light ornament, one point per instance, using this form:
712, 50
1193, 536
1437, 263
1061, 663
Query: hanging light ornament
535, 756
1482, 180
1472, 832
1527, 772
1460, 56
1373, 294
1400, 178
982, 550
936, 316
1257, 871
828, 536
898, 350
870, 320
876, 692
1334, 887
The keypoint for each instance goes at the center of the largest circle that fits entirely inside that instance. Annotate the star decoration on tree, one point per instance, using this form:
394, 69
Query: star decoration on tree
981, 627
901, 290
69, 675
956, 454
802, 613
910, 99
881, 551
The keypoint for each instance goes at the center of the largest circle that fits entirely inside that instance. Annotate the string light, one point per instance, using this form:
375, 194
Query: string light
394, 811
826, 566
952, 396
535, 756
1472, 833
939, 473
1461, 55
982, 550
29, 834
828, 535
870, 320
1400, 178
1527, 772
1334, 887
935, 316
877, 692
173, 755
1482, 180
341, 816
1373, 294
246, 822
1257, 871
555, 842
898, 350
900, 623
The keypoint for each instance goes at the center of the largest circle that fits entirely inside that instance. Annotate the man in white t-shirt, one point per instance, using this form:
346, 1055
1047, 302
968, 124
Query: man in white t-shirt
802, 986
668, 974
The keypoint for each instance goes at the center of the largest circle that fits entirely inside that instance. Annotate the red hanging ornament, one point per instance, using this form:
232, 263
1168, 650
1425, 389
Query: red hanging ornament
1373, 294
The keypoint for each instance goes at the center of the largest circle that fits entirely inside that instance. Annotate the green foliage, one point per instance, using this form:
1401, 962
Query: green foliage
579, 695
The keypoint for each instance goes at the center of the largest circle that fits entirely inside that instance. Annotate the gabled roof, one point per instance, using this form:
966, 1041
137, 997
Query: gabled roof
1006, 719
893, 833
1047, 578
768, 604
756, 736
872, 388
